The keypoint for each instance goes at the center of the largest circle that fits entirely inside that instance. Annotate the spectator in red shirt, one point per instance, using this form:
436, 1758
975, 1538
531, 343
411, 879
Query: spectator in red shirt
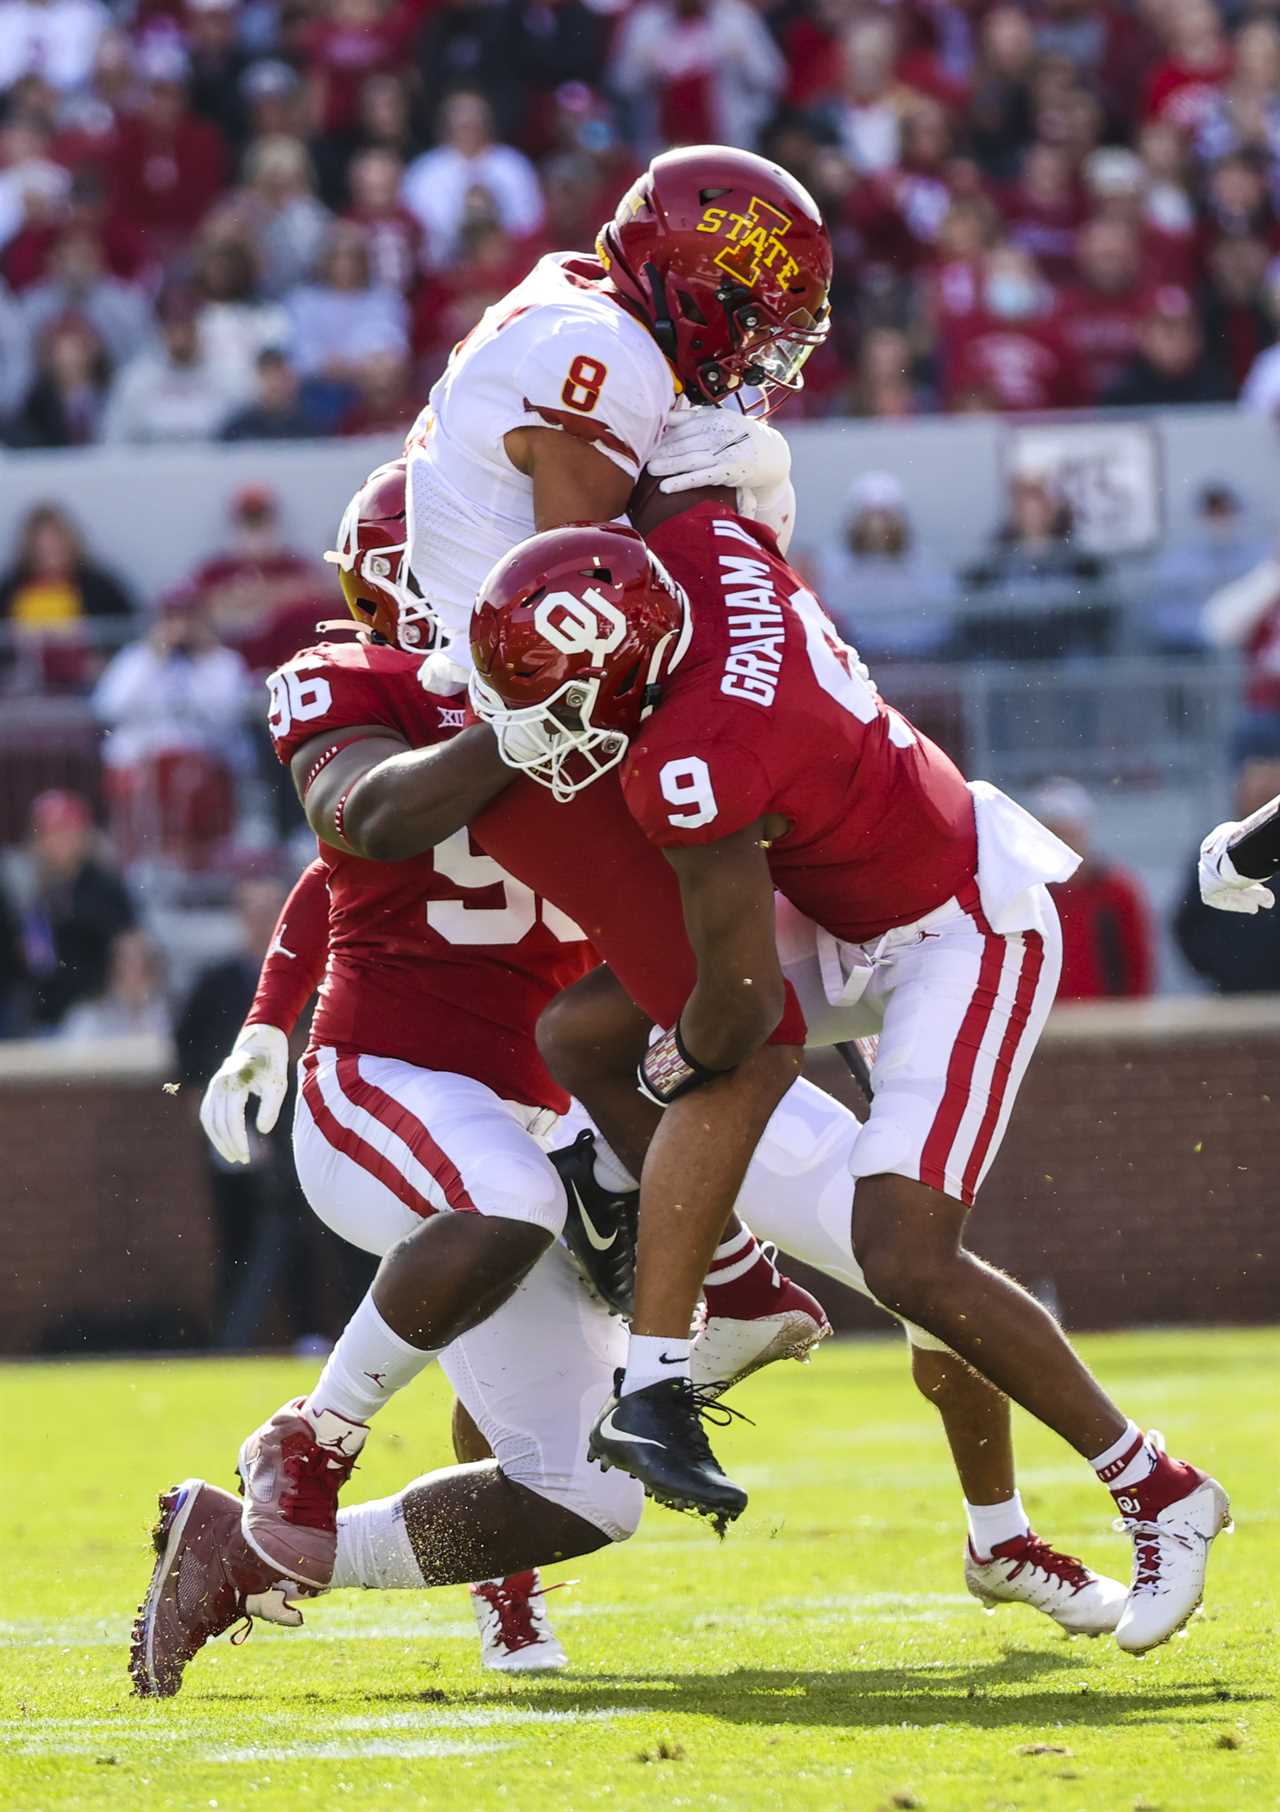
260, 596
350, 41
1102, 314
1183, 87
1044, 210
697, 71
955, 282
1108, 948
1012, 351
169, 165
1116, 184
393, 236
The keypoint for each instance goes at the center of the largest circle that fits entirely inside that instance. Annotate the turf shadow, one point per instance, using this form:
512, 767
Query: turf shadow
866, 1697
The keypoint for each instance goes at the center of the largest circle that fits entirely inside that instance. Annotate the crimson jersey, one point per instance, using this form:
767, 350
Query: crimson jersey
441, 960
768, 712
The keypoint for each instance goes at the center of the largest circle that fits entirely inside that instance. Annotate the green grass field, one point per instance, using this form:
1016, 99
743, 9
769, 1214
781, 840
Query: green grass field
825, 1656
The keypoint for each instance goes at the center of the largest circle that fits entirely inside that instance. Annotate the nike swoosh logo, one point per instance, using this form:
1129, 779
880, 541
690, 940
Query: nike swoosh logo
608, 1427
593, 1237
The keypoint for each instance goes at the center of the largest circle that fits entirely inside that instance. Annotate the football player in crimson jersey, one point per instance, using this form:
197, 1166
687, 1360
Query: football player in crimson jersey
422, 1091
755, 752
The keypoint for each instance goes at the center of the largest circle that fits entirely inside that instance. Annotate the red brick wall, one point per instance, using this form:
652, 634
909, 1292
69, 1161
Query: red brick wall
1140, 1183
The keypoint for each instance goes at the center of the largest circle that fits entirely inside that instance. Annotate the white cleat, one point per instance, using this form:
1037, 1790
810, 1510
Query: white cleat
726, 1350
516, 1636
1173, 1518
1028, 1571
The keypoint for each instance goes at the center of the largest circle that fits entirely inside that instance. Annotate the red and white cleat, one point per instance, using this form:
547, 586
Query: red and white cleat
727, 1349
291, 1471
516, 1636
1173, 1517
1028, 1571
205, 1579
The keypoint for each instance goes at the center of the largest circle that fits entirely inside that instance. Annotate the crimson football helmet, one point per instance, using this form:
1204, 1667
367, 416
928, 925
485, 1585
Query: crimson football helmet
372, 557
726, 258
571, 637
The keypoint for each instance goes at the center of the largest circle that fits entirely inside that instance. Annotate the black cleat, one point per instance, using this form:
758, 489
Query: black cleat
656, 1435
600, 1229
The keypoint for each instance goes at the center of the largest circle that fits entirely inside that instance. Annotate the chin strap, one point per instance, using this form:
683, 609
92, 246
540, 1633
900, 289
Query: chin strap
662, 326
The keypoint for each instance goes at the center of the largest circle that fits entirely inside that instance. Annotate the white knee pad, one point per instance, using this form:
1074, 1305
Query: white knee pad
610, 1501
519, 1186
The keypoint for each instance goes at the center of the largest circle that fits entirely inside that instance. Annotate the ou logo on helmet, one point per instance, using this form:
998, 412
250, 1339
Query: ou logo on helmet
590, 624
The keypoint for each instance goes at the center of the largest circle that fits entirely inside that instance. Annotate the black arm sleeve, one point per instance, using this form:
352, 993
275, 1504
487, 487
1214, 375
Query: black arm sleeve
1255, 848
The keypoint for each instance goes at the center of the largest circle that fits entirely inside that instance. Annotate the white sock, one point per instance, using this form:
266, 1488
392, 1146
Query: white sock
1127, 1461
609, 1170
374, 1549
991, 1524
652, 1360
367, 1366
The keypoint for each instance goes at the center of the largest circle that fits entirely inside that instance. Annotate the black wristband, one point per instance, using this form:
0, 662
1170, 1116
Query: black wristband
1255, 848
669, 1070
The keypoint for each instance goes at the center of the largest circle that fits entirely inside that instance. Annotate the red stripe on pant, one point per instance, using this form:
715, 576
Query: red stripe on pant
1028, 982
964, 1054
397, 1119
352, 1146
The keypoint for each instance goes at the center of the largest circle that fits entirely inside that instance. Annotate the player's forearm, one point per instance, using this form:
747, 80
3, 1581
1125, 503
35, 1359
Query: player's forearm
294, 964
730, 1014
409, 803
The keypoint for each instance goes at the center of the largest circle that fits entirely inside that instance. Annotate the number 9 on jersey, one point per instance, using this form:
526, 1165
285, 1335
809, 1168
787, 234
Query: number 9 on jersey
687, 784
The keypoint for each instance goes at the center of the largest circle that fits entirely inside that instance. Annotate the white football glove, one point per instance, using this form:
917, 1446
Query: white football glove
1220, 884
706, 446
258, 1064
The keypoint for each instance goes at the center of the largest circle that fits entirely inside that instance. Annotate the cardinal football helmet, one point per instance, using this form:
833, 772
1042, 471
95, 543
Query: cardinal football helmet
372, 557
727, 259
571, 638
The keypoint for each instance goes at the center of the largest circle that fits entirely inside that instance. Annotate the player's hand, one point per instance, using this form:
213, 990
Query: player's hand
705, 446
258, 1064
1220, 884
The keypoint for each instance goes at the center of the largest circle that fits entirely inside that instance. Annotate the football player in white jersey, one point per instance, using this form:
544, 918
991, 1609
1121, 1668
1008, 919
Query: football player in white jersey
710, 283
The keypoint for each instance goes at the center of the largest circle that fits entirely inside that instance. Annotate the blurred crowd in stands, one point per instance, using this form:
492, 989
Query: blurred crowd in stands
273, 218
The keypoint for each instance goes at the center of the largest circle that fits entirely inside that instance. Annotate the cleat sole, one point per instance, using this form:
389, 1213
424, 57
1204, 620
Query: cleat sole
787, 1344
176, 1506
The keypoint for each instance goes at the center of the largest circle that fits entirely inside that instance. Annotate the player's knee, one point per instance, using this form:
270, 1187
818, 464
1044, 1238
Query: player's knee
524, 1189
901, 1272
590, 1030
610, 1502
564, 1038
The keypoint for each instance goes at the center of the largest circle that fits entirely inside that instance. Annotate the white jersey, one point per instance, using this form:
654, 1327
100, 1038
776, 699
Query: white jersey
555, 352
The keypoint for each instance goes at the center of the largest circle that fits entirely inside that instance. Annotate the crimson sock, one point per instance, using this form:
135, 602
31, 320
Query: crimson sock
743, 1280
